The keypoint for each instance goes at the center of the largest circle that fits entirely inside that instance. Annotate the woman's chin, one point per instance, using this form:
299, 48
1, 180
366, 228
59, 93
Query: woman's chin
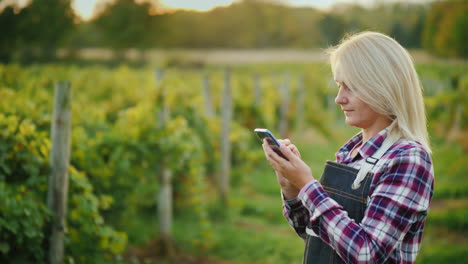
351, 122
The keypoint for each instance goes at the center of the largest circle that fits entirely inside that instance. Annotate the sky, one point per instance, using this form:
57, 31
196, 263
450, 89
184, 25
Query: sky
85, 8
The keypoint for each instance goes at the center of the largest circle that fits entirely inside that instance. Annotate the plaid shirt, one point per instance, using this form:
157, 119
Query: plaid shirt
399, 198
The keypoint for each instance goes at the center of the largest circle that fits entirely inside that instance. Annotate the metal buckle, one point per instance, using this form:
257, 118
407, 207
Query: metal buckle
371, 160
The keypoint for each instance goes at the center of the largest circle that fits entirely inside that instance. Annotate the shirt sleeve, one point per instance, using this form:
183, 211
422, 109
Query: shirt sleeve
296, 215
399, 203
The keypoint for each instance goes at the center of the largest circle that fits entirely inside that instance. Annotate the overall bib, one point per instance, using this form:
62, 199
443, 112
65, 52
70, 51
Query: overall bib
350, 188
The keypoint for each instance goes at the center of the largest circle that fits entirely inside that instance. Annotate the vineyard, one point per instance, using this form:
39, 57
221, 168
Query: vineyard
128, 125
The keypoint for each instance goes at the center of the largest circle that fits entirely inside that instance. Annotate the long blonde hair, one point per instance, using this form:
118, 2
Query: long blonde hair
382, 74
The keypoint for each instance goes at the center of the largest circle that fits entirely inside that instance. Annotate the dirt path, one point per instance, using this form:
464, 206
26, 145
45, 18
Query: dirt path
235, 56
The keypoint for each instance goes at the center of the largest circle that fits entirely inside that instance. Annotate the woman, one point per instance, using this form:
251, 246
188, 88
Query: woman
371, 204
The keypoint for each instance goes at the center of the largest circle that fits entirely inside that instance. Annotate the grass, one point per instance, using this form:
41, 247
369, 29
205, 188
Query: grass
449, 213
442, 245
450, 170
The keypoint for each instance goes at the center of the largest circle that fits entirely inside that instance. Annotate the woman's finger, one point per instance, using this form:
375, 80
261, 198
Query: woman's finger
284, 142
294, 149
271, 156
278, 163
274, 164
283, 164
288, 153
268, 150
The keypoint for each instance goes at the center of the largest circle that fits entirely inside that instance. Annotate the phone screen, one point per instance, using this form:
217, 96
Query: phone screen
265, 133
270, 140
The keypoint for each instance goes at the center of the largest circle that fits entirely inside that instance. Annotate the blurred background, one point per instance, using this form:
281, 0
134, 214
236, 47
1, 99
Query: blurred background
164, 166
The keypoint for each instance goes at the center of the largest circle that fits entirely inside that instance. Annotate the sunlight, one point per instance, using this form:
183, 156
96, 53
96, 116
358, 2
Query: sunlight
84, 8
200, 5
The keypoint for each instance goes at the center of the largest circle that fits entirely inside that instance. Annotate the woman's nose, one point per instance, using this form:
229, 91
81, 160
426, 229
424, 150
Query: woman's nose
341, 98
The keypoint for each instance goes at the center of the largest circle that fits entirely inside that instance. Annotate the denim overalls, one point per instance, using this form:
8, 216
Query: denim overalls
350, 188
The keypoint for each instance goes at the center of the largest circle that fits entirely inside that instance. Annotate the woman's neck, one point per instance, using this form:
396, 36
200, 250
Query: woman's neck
376, 127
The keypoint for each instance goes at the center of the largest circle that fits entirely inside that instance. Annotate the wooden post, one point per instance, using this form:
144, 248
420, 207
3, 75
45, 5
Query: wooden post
455, 133
207, 95
458, 117
59, 163
225, 143
159, 75
257, 92
164, 197
165, 213
300, 106
284, 91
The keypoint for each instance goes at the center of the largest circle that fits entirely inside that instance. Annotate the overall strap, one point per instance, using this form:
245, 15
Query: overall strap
372, 160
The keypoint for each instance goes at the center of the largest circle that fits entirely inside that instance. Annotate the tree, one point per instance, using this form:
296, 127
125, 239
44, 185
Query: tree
332, 28
446, 29
11, 33
126, 24
36, 30
46, 23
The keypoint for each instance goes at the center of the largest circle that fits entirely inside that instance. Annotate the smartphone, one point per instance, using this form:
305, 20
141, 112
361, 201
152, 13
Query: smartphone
272, 141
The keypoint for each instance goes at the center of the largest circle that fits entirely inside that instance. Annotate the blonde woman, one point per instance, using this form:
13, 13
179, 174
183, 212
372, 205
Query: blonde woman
370, 205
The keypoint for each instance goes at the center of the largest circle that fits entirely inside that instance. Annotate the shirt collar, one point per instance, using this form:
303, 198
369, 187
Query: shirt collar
368, 149
373, 144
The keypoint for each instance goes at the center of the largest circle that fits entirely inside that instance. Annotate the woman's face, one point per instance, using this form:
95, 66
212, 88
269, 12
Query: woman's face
357, 113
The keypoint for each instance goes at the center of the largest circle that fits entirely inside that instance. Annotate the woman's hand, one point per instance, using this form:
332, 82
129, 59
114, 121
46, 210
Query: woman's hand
289, 190
292, 175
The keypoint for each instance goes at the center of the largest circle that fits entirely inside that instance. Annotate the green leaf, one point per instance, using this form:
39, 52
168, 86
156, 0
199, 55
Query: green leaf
4, 247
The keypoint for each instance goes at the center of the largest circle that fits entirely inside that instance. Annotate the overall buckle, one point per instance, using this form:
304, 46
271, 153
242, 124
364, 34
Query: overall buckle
372, 160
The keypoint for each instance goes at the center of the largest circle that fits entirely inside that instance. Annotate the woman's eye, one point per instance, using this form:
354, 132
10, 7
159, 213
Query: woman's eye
344, 87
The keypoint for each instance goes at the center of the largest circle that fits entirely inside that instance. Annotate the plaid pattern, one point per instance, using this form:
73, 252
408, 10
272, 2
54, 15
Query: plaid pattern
392, 227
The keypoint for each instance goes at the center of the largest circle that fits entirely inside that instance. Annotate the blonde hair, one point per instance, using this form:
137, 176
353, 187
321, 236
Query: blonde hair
382, 74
